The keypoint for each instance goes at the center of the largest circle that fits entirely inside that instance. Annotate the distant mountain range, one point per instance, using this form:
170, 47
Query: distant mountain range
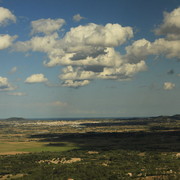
174, 117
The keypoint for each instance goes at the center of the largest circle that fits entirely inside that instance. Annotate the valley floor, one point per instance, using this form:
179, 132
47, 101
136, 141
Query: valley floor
97, 149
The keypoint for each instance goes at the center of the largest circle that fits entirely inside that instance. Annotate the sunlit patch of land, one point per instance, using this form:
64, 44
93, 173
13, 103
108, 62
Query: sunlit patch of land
33, 146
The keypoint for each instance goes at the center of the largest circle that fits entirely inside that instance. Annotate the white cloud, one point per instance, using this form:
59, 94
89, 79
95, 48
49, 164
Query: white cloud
92, 34
169, 46
43, 44
91, 39
169, 86
6, 41
5, 85
77, 17
142, 48
76, 74
17, 94
88, 52
138, 51
75, 84
89, 46
171, 49
123, 72
171, 25
47, 26
36, 78
5, 16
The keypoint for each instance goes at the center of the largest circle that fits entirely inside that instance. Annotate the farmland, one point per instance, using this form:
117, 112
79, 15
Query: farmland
134, 148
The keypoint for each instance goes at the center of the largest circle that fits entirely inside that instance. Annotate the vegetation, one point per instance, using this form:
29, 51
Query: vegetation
98, 149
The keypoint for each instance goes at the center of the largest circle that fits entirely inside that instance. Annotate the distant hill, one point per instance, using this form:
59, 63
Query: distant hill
15, 119
163, 118
155, 118
177, 116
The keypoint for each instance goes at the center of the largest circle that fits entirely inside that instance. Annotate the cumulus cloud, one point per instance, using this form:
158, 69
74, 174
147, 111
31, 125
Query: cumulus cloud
5, 85
36, 78
76, 74
169, 46
38, 43
46, 26
91, 39
109, 35
5, 16
171, 25
77, 17
169, 49
75, 84
124, 72
90, 45
142, 48
169, 86
138, 51
88, 52
6, 41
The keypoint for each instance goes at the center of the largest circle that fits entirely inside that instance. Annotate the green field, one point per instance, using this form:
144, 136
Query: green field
23, 147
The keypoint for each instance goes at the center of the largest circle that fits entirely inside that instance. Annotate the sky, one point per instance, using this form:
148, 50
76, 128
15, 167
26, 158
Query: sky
81, 58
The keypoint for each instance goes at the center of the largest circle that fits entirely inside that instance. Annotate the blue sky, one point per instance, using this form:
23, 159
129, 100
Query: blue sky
105, 58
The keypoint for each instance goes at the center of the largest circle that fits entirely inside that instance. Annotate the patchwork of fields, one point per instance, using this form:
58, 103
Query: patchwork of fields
110, 148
